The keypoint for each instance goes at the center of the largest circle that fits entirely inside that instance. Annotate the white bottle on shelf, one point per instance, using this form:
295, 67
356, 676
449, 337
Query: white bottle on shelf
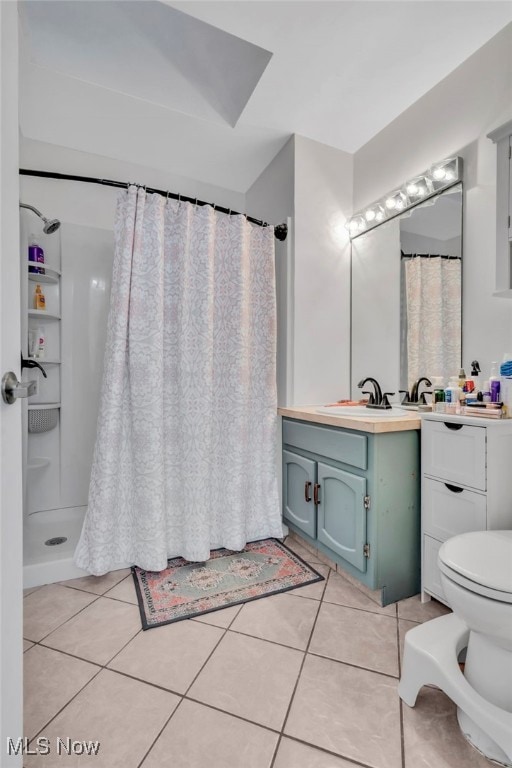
41, 344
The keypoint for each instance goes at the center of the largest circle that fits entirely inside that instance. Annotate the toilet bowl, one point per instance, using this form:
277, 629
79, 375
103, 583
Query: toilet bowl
476, 576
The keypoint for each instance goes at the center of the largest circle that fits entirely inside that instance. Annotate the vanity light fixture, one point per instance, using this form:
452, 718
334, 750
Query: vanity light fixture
439, 177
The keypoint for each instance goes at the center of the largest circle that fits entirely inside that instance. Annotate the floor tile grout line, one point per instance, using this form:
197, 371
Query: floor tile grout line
186, 697
64, 707
354, 666
402, 733
290, 703
65, 622
221, 638
327, 751
178, 705
89, 591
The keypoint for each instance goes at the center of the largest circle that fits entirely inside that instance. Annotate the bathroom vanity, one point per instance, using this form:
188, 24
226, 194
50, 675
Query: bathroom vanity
351, 489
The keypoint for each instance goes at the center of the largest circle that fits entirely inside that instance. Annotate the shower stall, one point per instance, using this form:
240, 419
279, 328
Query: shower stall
62, 349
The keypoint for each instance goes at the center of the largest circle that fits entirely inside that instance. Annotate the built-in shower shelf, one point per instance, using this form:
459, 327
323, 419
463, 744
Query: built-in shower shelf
42, 406
39, 313
38, 462
50, 275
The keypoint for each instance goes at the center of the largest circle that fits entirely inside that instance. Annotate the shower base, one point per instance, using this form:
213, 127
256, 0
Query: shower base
45, 563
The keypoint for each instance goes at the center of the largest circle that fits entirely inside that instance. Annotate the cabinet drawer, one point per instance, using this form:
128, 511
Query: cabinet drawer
338, 444
431, 576
448, 511
454, 452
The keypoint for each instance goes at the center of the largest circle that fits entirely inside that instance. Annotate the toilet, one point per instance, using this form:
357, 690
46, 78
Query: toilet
476, 576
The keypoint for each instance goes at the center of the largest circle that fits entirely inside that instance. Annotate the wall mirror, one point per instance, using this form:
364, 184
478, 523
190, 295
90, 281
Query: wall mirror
407, 296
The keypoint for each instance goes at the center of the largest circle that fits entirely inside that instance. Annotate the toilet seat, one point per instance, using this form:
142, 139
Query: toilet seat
480, 562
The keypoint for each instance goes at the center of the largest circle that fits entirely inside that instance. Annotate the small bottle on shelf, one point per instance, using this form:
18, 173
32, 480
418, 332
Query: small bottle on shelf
39, 300
41, 343
35, 256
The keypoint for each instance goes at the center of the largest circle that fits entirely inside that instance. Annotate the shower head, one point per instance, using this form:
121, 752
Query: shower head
50, 225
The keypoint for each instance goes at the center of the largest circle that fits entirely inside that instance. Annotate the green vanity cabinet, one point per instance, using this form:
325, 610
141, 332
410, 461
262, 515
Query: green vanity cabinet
355, 496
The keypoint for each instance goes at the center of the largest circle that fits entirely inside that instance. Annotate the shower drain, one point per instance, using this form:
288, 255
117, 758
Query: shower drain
56, 540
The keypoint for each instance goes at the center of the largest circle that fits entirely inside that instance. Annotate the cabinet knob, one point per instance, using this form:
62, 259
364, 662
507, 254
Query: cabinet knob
315, 493
307, 488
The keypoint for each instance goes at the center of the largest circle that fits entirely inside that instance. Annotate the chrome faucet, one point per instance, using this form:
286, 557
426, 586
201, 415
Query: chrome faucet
376, 399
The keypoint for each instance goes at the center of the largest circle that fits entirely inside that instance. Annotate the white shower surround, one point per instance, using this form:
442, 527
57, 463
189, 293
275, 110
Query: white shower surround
56, 493
185, 457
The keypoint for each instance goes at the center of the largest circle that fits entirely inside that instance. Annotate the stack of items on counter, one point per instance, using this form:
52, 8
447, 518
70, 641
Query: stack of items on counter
468, 396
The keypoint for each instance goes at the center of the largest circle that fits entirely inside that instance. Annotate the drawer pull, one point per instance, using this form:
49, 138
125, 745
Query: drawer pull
454, 488
451, 425
307, 488
315, 493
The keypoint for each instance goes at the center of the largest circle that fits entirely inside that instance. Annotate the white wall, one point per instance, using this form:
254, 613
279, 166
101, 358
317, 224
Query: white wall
454, 118
92, 204
321, 286
271, 198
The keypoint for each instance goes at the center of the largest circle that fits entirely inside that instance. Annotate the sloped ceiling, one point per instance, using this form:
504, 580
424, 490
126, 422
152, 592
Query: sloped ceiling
212, 90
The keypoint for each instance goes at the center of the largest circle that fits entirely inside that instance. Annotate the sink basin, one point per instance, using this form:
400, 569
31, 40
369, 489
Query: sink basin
361, 411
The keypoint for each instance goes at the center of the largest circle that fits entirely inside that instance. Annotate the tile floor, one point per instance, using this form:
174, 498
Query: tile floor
305, 679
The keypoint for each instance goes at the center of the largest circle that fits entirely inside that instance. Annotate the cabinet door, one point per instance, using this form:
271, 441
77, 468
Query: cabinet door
341, 514
298, 482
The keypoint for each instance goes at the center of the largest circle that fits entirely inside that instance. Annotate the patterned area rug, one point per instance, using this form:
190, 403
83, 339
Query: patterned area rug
187, 589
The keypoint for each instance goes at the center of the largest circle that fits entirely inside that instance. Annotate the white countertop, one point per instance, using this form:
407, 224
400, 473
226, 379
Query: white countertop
376, 424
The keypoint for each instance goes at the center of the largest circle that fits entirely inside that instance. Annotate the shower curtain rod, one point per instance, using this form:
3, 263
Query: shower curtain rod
427, 256
280, 230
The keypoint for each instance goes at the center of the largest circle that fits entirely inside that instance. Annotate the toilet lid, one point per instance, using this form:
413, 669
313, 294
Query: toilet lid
483, 558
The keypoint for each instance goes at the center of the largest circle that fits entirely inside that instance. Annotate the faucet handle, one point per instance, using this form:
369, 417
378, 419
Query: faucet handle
423, 399
385, 402
405, 392
371, 398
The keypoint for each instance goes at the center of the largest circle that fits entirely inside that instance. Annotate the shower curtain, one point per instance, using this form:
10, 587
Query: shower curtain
185, 457
433, 296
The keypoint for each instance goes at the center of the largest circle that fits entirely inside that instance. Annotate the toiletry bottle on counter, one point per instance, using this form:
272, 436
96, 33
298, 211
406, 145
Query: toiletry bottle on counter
438, 393
494, 383
36, 255
452, 396
39, 300
486, 392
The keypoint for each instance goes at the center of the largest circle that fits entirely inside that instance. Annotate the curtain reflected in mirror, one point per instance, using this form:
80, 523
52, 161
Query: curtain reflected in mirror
406, 296
431, 317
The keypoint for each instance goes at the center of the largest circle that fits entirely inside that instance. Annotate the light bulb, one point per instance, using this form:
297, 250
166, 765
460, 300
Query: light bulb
449, 175
439, 173
370, 214
421, 191
391, 203
352, 226
412, 189
379, 215
399, 204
